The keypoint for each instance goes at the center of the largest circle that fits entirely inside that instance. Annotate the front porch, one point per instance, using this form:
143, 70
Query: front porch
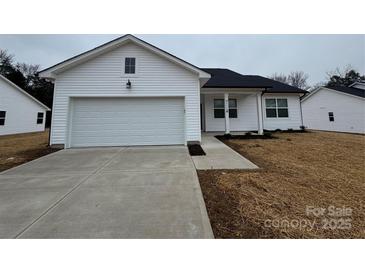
231, 111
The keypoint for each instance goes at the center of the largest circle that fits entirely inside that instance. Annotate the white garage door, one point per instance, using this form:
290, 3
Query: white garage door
127, 121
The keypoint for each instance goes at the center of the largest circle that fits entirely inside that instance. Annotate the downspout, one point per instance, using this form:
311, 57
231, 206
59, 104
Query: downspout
262, 109
50, 128
51, 116
301, 111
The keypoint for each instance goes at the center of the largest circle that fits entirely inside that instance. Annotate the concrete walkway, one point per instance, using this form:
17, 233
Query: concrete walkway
135, 192
220, 156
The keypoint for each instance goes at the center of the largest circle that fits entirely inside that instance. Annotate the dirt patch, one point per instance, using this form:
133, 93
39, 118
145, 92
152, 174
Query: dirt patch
196, 150
21, 148
298, 171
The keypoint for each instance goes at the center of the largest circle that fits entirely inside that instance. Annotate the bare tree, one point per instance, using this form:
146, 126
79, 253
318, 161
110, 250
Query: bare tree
341, 73
344, 77
280, 77
29, 72
6, 61
295, 78
298, 79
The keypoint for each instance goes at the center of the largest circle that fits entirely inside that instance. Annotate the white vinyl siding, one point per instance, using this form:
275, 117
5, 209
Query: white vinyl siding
127, 121
104, 76
348, 111
21, 111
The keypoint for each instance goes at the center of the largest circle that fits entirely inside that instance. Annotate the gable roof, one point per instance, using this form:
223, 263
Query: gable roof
345, 90
226, 78
23, 92
83, 57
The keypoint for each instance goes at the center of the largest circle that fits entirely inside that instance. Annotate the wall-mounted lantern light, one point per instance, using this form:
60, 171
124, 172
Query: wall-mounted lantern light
128, 84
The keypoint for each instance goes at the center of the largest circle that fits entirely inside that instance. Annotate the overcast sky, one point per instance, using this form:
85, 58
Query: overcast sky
246, 54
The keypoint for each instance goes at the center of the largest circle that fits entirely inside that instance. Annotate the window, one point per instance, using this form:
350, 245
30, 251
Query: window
331, 117
2, 117
130, 65
232, 108
219, 108
40, 118
277, 108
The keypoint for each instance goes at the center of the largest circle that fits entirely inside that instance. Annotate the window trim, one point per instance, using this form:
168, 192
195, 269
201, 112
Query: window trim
3, 118
276, 107
129, 75
214, 108
40, 118
130, 66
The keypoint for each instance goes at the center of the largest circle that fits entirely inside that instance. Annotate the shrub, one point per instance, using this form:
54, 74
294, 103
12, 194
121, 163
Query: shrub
248, 133
268, 134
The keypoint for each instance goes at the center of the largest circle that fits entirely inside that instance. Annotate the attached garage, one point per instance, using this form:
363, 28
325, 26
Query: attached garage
126, 121
125, 93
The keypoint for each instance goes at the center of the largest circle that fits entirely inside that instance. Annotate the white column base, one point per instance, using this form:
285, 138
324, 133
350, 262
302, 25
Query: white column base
226, 113
260, 128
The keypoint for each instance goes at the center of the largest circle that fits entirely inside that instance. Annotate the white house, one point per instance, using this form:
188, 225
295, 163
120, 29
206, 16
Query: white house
129, 92
19, 111
336, 109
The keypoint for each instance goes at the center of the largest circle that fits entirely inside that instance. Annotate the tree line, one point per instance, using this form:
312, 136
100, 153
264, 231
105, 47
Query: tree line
26, 77
337, 77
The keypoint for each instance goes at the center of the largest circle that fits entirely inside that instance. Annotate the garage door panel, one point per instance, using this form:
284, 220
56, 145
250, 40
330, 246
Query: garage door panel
167, 117
110, 128
127, 121
126, 133
128, 110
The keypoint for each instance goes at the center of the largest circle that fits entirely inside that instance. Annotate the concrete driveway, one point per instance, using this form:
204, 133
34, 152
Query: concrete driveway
136, 192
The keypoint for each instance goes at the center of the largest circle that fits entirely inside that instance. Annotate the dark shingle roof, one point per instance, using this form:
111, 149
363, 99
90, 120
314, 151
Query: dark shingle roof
350, 90
225, 78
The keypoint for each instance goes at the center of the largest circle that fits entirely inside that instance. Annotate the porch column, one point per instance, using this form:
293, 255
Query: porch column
260, 130
226, 112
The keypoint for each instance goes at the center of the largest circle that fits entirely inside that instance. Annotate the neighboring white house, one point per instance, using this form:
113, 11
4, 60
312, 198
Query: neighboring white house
128, 92
19, 111
336, 109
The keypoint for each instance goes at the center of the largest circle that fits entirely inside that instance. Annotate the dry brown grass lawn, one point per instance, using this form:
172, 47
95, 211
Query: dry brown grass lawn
20, 148
317, 169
